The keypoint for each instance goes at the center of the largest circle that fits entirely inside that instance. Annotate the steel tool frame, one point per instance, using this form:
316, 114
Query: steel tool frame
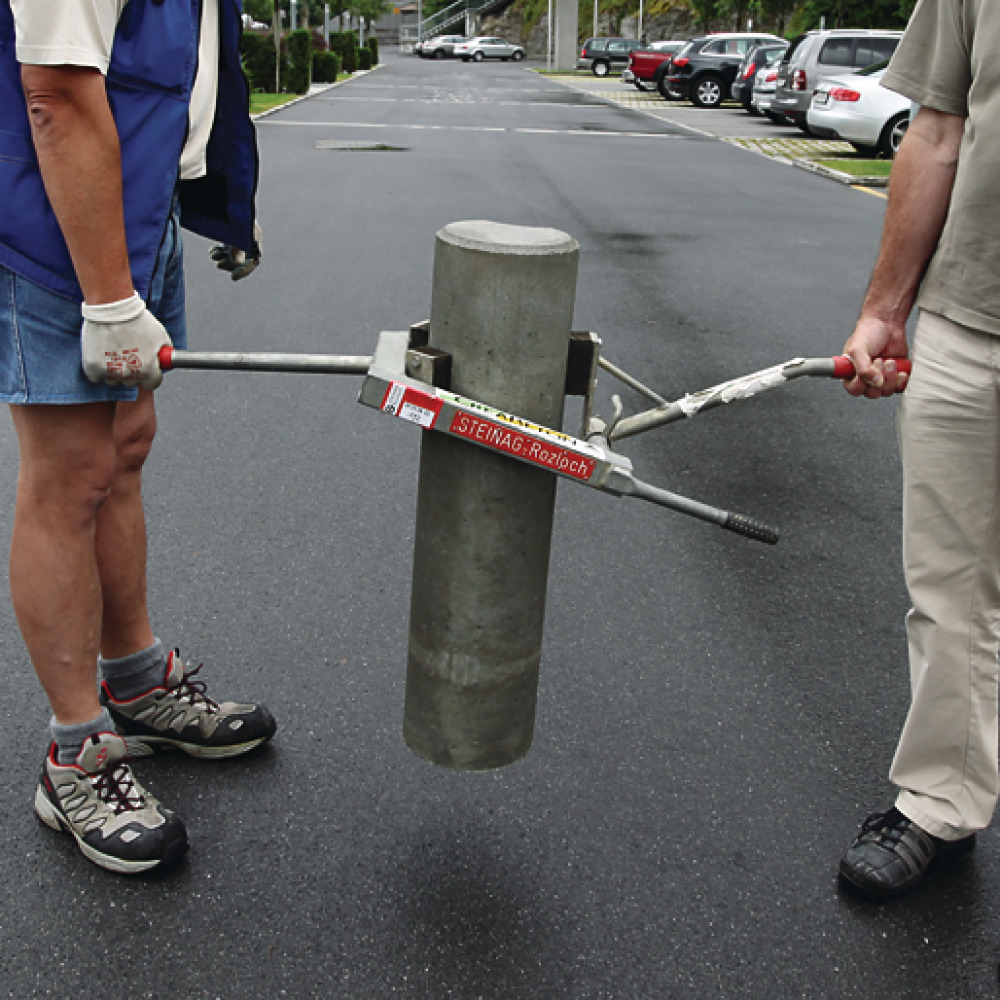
408, 380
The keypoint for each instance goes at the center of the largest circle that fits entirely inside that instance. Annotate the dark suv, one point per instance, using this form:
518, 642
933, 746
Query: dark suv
600, 54
704, 70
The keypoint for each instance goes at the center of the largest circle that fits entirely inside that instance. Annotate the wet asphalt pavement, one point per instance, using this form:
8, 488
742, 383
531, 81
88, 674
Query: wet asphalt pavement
715, 717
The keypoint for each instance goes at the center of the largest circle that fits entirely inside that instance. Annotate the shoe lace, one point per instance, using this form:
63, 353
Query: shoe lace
889, 825
117, 789
193, 692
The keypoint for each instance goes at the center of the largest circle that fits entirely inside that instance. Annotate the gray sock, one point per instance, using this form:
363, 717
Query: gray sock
137, 673
70, 739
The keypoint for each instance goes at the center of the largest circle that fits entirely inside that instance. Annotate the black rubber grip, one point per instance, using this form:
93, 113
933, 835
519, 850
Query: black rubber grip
751, 529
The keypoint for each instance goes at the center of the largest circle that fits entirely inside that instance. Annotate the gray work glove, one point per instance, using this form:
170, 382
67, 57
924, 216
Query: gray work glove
237, 262
120, 342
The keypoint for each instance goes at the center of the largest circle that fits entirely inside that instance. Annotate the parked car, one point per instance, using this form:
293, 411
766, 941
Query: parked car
704, 70
648, 64
439, 47
487, 47
600, 55
754, 61
857, 108
818, 55
763, 91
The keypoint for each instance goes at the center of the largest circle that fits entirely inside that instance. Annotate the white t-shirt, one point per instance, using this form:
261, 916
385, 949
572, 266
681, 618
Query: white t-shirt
81, 33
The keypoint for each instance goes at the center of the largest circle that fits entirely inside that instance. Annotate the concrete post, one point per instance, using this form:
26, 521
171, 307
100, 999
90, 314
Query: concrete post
567, 28
502, 305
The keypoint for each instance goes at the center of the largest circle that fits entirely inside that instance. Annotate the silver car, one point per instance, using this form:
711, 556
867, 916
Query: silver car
439, 47
818, 55
488, 47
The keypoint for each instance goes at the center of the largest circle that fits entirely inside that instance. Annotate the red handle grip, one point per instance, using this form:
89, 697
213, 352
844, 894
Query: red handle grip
166, 358
843, 366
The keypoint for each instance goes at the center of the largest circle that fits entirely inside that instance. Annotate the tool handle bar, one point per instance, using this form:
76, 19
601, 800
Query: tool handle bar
318, 364
843, 366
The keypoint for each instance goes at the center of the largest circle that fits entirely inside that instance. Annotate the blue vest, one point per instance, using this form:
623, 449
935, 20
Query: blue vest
149, 82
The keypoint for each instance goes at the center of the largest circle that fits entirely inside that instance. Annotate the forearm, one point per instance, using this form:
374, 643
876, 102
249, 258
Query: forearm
919, 194
79, 156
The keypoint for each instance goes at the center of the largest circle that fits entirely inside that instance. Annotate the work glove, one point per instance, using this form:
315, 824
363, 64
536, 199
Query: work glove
237, 262
120, 342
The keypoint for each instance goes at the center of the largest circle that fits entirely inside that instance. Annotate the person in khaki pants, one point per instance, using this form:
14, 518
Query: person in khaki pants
940, 251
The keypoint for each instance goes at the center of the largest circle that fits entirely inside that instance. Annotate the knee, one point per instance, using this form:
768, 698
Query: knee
71, 490
135, 429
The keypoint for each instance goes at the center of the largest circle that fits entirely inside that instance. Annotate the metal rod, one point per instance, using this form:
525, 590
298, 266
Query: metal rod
319, 364
632, 383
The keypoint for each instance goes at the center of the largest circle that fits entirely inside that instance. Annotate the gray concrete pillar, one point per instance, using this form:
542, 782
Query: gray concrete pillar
567, 46
502, 305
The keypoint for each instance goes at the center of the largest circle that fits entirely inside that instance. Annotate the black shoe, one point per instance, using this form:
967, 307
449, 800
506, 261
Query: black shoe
891, 854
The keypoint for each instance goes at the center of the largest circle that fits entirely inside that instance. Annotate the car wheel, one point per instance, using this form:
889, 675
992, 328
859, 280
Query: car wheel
517, 56
600, 68
865, 150
465, 58
892, 134
478, 57
706, 92
665, 92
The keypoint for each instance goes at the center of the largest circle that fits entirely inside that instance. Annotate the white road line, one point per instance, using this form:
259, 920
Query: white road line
600, 133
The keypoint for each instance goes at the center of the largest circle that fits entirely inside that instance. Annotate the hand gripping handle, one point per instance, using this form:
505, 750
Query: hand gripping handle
843, 366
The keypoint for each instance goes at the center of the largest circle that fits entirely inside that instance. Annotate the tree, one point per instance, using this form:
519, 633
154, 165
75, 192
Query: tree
855, 13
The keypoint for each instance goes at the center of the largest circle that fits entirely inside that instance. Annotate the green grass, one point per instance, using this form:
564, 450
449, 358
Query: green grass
264, 102
858, 167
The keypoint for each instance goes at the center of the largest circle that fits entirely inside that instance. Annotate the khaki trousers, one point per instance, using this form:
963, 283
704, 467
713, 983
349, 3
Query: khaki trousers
949, 431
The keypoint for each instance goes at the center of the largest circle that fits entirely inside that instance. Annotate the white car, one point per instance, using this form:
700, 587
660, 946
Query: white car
764, 83
857, 108
487, 47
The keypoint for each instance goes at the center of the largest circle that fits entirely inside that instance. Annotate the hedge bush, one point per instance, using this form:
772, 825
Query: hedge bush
349, 59
372, 43
258, 61
326, 66
364, 58
299, 61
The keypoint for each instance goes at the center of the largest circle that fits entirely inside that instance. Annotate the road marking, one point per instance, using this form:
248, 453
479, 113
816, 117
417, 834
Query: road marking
601, 133
455, 99
878, 194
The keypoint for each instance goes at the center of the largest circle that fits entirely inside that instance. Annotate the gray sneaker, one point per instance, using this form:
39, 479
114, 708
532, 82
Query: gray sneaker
179, 715
117, 824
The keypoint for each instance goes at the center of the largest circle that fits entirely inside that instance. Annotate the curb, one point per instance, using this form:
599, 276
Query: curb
839, 175
321, 89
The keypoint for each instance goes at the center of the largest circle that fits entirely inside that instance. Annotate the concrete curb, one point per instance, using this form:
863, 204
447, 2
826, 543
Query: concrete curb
313, 91
839, 175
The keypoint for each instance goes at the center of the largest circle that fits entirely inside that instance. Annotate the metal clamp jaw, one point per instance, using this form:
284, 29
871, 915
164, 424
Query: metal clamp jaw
393, 385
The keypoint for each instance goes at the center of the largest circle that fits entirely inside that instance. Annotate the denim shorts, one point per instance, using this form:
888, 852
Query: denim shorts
40, 359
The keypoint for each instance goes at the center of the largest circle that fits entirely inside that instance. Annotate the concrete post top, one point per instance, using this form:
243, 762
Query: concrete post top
500, 238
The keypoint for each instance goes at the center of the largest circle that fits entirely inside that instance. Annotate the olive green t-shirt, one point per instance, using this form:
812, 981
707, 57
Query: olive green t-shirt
949, 60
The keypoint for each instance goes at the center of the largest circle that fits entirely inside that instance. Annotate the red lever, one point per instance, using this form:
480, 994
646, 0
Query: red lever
166, 358
843, 366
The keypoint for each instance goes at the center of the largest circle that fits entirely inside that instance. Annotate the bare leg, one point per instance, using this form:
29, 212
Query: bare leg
121, 534
67, 468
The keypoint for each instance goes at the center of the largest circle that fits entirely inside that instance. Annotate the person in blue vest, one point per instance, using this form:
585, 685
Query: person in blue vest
120, 122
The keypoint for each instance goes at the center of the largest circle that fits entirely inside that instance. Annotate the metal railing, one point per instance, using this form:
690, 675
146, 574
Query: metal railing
439, 22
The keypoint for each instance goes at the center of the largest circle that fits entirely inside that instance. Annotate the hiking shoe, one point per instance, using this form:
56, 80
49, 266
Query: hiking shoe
178, 715
891, 854
116, 823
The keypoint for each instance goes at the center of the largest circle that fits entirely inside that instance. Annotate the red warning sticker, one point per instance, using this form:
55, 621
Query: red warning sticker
523, 446
411, 404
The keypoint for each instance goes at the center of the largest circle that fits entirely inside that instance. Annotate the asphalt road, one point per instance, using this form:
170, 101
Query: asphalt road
715, 717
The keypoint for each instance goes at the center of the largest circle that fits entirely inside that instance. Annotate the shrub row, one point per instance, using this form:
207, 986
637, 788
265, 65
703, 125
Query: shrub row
302, 59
